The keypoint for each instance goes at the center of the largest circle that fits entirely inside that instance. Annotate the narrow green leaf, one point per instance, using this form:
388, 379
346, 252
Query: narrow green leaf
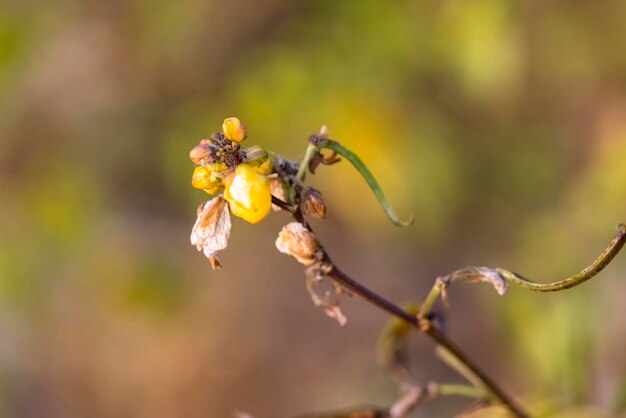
368, 176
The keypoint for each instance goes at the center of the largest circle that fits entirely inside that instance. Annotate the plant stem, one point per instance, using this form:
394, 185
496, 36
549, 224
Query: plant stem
430, 300
453, 362
425, 327
594, 268
446, 389
310, 151
422, 325
425, 392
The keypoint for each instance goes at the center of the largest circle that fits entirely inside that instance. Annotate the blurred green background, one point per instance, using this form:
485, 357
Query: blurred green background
500, 124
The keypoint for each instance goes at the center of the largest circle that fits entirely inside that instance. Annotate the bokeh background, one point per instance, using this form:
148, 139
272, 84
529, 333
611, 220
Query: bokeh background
500, 124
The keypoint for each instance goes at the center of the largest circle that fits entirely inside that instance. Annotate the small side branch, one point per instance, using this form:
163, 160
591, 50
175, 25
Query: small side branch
497, 277
425, 326
500, 278
589, 272
402, 408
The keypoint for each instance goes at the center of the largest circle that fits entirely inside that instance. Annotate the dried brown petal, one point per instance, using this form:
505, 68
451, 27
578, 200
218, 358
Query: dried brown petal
321, 297
212, 229
203, 153
216, 264
313, 204
472, 274
297, 241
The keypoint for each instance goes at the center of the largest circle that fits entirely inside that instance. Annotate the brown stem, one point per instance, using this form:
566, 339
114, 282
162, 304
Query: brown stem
425, 327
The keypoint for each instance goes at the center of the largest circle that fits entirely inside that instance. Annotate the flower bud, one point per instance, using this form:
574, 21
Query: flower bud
258, 158
248, 194
255, 155
234, 130
313, 204
324, 132
208, 176
202, 153
297, 241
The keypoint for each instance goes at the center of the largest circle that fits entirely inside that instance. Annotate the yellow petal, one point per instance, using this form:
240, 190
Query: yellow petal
234, 130
248, 194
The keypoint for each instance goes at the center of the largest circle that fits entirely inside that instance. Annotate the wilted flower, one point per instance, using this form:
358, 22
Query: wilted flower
248, 194
297, 241
212, 229
313, 204
203, 153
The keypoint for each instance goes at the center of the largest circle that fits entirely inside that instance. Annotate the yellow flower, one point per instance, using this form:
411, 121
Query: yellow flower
264, 168
248, 194
234, 130
209, 177
258, 158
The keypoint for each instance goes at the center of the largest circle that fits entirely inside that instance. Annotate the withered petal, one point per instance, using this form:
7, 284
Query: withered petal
212, 229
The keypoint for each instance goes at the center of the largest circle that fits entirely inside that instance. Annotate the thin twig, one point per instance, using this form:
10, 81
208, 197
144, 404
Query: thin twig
283, 205
594, 268
461, 368
412, 398
500, 278
304, 165
422, 324
426, 327
430, 300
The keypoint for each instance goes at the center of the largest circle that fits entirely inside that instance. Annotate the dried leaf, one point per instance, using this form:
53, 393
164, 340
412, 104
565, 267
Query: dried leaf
340, 290
321, 297
472, 274
212, 229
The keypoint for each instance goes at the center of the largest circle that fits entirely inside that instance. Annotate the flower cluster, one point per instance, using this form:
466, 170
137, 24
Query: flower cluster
241, 173
243, 181
237, 177
250, 182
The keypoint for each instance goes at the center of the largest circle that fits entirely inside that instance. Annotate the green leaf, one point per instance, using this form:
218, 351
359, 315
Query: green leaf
368, 176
